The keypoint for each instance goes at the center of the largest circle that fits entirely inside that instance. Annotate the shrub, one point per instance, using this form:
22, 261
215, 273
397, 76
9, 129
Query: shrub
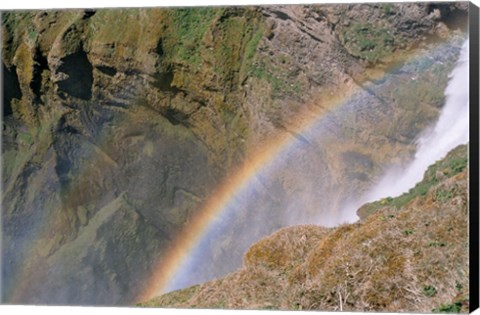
388, 9
368, 41
449, 308
429, 291
443, 195
436, 244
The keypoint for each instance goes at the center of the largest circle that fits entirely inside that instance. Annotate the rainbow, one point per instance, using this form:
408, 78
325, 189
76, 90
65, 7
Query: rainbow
228, 193
223, 199
198, 227
220, 201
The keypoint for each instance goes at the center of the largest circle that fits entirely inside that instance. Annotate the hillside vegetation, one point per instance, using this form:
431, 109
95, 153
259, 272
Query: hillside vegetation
407, 254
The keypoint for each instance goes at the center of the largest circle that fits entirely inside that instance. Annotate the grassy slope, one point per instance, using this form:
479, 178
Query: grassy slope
407, 254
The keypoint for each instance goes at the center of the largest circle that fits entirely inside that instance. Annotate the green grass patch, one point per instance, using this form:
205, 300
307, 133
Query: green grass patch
458, 286
368, 41
449, 308
455, 162
25, 138
32, 35
443, 195
261, 72
172, 298
280, 86
252, 44
189, 27
388, 8
250, 50
429, 291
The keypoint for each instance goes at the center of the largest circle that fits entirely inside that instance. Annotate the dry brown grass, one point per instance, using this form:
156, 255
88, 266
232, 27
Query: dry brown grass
408, 259
285, 248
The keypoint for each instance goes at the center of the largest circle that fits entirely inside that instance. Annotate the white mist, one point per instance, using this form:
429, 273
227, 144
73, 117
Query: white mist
451, 130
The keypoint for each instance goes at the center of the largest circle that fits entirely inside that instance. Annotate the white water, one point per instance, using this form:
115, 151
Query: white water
451, 130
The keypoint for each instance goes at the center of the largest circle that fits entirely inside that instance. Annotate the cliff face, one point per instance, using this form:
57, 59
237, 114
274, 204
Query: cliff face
119, 124
408, 255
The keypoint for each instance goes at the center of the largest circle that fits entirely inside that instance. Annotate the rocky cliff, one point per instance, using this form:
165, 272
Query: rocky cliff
119, 124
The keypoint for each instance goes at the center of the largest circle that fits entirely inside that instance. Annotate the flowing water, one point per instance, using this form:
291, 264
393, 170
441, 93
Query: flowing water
451, 130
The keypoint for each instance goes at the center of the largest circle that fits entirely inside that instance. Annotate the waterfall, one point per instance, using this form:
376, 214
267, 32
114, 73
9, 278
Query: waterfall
300, 183
451, 130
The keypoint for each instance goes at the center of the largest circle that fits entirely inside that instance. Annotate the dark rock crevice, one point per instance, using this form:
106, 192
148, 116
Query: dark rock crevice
452, 16
281, 15
11, 89
88, 13
110, 71
175, 117
40, 65
80, 76
309, 33
163, 82
159, 48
